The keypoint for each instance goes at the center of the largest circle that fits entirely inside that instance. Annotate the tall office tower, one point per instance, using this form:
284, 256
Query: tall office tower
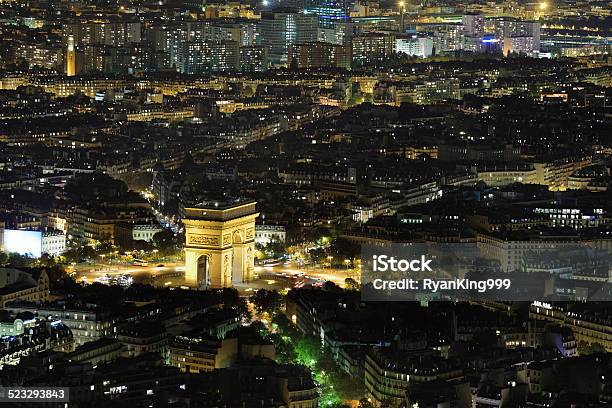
70, 57
473, 33
278, 31
521, 37
329, 12
371, 47
207, 56
215, 31
448, 38
93, 57
250, 35
253, 59
334, 35
168, 39
127, 60
118, 33
508, 27
319, 55
473, 25
49, 55
245, 33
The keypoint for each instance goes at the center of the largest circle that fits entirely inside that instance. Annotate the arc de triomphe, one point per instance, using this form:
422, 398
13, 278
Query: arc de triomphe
220, 247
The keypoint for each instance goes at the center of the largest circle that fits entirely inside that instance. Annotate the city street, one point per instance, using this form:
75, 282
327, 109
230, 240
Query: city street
88, 273
172, 274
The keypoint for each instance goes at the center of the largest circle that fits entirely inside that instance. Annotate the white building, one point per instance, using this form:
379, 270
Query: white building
420, 47
145, 232
264, 234
53, 242
126, 234
526, 45
86, 323
15, 325
34, 243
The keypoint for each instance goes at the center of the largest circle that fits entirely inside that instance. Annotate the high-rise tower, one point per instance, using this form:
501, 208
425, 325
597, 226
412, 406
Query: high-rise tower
70, 57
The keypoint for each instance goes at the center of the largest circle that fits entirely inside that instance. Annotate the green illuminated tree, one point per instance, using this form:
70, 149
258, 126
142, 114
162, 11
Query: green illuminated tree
307, 351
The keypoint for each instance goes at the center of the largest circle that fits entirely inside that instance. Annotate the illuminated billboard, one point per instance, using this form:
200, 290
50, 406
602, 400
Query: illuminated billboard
23, 242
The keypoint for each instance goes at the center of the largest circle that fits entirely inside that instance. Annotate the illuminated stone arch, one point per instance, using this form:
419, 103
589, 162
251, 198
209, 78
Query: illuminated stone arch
224, 234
